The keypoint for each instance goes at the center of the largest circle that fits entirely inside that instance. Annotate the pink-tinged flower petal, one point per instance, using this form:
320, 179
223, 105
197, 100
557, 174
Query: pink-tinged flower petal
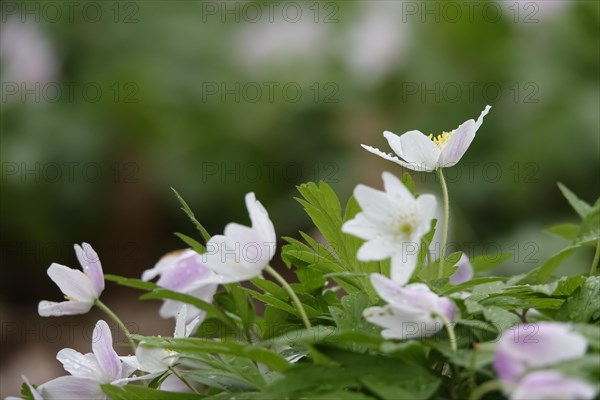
394, 159
260, 218
185, 272
464, 273
419, 150
79, 365
73, 283
388, 290
107, 357
164, 264
89, 261
404, 264
552, 385
72, 388
460, 141
57, 309
529, 346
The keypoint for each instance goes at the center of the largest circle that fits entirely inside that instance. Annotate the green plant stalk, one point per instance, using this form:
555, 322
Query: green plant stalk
449, 329
446, 218
182, 379
291, 292
116, 319
594, 268
489, 386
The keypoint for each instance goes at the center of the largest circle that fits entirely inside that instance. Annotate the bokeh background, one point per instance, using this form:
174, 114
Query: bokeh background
106, 105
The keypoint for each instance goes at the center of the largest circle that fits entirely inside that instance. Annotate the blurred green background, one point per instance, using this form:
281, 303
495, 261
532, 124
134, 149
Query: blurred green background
106, 105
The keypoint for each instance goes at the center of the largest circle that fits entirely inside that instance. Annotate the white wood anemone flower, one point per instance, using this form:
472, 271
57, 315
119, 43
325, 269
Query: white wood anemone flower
155, 360
242, 252
412, 311
80, 288
184, 272
419, 152
89, 371
392, 223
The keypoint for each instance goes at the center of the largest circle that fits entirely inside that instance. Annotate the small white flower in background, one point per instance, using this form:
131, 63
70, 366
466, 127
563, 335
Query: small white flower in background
410, 311
88, 371
36, 395
552, 385
183, 272
464, 273
427, 153
156, 360
392, 223
242, 253
81, 289
536, 345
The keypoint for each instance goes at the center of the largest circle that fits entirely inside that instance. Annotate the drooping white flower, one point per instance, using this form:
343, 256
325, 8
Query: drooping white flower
392, 223
242, 252
184, 272
464, 272
552, 385
81, 289
411, 311
541, 344
156, 360
419, 152
88, 371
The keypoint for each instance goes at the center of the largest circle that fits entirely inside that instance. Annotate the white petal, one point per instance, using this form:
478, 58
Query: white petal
71, 388
374, 203
388, 290
395, 188
107, 357
130, 365
365, 228
180, 322
375, 250
402, 266
56, 309
73, 283
153, 359
260, 218
79, 365
419, 150
427, 204
395, 159
89, 261
461, 140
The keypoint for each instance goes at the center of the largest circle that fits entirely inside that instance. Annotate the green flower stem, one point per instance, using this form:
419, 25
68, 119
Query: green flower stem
182, 379
446, 217
120, 323
292, 294
449, 329
489, 386
595, 260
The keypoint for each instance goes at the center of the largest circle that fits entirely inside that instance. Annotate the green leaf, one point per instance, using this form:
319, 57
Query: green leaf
543, 272
188, 211
581, 207
469, 284
425, 242
430, 272
407, 180
194, 244
131, 282
590, 227
211, 310
564, 231
584, 303
131, 392
196, 346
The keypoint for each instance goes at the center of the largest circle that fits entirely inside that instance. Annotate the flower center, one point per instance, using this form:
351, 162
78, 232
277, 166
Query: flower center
441, 139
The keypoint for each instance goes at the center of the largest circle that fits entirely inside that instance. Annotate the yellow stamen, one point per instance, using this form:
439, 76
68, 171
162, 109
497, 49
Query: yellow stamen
441, 140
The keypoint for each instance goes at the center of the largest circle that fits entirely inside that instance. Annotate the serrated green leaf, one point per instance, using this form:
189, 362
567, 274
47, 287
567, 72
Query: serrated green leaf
590, 227
580, 206
188, 211
430, 272
132, 392
131, 282
486, 262
544, 271
194, 244
584, 303
565, 231
407, 181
